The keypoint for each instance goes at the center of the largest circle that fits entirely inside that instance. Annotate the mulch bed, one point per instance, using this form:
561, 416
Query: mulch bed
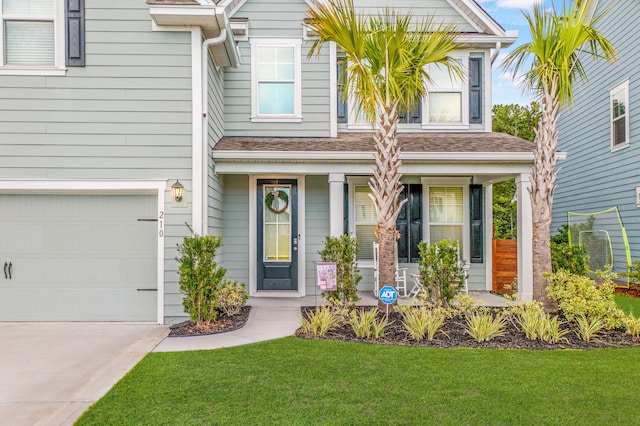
456, 337
221, 325
632, 291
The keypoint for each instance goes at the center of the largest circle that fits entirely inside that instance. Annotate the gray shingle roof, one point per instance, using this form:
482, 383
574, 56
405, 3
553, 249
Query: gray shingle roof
363, 142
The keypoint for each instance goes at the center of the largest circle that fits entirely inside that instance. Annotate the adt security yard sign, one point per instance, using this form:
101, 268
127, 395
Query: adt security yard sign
388, 295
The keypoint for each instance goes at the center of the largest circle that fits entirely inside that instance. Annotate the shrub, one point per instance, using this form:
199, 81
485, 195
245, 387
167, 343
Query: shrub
571, 258
631, 325
200, 276
343, 251
538, 325
441, 271
588, 327
320, 321
232, 296
578, 295
365, 323
634, 272
483, 326
423, 322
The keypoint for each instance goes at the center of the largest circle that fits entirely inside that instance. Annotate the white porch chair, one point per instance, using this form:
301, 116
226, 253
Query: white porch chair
400, 276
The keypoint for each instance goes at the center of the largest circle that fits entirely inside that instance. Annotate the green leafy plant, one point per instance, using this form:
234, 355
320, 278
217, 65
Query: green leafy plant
634, 273
365, 323
423, 322
320, 321
343, 251
631, 325
200, 276
441, 270
232, 296
551, 330
579, 295
569, 257
588, 328
483, 326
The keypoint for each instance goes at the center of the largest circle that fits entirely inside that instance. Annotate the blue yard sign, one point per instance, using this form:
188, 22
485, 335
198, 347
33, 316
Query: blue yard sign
388, 295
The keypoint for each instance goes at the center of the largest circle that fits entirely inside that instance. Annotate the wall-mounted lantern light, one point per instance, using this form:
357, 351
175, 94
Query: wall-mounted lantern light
176, 190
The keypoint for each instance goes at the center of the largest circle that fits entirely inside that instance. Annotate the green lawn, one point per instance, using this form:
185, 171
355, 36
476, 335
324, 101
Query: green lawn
628, 304
301, 382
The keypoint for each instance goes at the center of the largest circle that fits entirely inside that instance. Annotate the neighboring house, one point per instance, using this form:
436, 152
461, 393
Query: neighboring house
601, 133
105, 104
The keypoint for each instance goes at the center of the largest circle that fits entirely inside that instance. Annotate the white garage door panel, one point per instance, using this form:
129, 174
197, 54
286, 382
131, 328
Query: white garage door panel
78, 257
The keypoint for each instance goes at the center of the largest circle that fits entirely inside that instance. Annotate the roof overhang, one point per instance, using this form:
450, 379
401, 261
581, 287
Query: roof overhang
487, 41
210, 18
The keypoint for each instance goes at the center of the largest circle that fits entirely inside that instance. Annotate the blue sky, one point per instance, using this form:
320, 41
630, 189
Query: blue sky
508, 13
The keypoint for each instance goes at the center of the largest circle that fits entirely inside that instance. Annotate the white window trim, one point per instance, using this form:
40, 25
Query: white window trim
463, 57
427, 182
296, 117
624, 86
352, 182
58, 68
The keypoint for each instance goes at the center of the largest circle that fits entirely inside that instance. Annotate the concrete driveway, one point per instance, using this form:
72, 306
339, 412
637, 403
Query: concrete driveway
50, 373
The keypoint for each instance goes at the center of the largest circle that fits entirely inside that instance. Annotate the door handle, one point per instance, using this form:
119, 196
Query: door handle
10, 266
5, 270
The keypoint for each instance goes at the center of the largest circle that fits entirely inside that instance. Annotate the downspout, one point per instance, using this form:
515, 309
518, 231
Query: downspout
205, 127
496, 52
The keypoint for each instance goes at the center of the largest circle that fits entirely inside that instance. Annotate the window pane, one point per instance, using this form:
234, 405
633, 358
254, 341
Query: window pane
267, 71
366, 236
446, 205
275, 98
275, 63
284, 238
28, 7
266, 55
441, 79
619, 131
270, 242
364, 208
619, 106
30, 43
285, 72
445, 232
445, 107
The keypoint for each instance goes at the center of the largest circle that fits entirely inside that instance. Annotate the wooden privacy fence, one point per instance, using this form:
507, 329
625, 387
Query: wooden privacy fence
505, 265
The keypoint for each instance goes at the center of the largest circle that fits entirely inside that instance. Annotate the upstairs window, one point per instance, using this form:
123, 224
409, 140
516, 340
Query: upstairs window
31, 35
447, 99
276, 92
619, 102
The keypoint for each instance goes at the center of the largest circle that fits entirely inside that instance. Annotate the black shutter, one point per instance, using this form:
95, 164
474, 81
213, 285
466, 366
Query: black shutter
343, 113
345, 208
74, 10
476, 210
475, 90
409, 224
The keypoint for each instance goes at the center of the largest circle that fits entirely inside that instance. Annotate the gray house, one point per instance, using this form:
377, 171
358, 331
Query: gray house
104, 106
600, 137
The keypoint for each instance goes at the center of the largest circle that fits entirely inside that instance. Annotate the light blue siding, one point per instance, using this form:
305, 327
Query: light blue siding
235, 232
593, 177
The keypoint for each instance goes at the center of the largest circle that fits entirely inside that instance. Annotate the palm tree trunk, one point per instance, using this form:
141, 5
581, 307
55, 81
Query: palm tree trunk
543, 184
386, 188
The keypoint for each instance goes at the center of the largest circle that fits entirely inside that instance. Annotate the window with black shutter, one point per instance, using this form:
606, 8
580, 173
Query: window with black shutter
476, 217
475, 90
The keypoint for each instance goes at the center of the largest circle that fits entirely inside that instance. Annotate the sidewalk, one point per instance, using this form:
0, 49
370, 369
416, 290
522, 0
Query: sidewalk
273, 318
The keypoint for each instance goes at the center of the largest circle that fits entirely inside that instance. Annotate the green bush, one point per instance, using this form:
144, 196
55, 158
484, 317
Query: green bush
232, 296
571, 258
365, 323
200, 276
423, 322
343, 251
634, 273
441, 272
483, 326
320, 321
538, 325
577, 295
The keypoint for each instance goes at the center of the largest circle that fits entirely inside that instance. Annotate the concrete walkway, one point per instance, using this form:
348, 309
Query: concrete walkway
50, 373
273, 318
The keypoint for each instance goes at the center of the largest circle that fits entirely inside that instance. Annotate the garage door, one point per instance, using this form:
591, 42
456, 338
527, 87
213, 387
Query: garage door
78, 257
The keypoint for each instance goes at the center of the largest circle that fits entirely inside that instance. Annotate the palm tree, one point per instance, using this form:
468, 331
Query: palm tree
386, 56
557, 41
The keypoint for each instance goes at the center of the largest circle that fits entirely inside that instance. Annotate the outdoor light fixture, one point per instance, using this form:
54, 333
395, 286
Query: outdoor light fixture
176, 190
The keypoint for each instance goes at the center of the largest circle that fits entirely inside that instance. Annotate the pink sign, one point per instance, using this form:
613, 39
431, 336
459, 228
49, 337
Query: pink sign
326, 274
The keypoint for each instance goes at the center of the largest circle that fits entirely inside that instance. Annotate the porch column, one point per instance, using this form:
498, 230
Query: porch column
488, 236
336, 204
525, 238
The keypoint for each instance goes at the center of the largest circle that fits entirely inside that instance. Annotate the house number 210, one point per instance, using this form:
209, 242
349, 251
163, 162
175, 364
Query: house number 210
161, 224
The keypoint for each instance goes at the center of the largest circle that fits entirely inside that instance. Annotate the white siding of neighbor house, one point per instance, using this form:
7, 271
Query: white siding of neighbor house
125, 115
594, 178
282, 19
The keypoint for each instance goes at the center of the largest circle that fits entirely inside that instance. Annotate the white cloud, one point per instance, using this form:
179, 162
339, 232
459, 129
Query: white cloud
517, 4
